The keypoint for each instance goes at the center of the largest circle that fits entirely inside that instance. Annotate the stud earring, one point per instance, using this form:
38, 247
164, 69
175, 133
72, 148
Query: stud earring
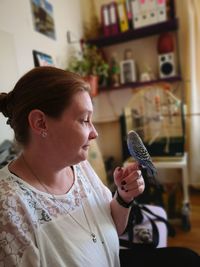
44, 134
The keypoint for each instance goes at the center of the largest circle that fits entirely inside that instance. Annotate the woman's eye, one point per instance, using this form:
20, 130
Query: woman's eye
85, 121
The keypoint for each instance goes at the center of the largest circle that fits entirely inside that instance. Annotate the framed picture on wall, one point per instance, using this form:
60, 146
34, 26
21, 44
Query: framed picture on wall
127, 71
42, 13
42, 59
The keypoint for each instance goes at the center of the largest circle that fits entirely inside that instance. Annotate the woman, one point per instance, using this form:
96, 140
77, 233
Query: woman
55, 211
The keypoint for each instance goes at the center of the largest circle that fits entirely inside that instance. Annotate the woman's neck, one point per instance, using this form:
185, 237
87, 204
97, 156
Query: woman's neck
44, 177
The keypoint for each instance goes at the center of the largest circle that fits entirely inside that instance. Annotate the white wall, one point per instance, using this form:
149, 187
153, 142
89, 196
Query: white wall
18, 38
8, 75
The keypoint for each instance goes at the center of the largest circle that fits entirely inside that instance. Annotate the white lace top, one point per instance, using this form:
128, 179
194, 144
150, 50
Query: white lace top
35, 230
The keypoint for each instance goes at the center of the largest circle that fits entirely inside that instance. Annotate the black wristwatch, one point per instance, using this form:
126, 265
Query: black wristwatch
122, 202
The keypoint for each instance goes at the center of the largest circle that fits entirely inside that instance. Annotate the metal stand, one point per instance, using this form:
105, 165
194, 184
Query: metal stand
180, 163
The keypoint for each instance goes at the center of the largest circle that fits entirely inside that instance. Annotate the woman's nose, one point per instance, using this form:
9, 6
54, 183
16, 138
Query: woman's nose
93, 133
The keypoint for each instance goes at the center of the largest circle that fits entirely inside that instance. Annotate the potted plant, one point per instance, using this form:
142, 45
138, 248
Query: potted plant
91, 65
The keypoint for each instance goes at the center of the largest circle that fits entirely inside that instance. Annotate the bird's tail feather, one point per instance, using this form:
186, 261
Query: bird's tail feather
149, 176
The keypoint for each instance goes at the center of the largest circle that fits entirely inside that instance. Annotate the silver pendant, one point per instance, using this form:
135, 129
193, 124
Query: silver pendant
94, 239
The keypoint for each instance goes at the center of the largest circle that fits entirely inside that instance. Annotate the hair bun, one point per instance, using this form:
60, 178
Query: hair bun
4, 104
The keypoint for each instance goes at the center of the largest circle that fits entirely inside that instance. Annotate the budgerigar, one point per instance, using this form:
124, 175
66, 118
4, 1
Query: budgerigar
139, 152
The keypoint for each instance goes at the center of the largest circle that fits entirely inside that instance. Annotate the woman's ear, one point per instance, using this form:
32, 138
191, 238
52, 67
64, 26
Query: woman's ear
37, 121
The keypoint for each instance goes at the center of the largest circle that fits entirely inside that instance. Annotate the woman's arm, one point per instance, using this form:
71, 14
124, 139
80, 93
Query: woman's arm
17, 241
130, 184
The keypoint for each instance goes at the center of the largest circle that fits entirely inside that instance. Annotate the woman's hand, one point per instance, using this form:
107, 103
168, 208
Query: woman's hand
130, 184
129, 181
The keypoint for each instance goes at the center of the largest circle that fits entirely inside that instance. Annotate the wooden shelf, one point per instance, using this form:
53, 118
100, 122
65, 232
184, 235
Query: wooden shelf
141, 84
170, 25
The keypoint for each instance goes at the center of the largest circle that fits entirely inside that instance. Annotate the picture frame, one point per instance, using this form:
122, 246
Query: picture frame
43, 19
127, 71
42, 59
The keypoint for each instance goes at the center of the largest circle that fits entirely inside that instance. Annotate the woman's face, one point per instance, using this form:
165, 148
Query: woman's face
70, 135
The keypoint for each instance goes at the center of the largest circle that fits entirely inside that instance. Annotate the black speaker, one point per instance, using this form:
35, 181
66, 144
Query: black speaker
167, 66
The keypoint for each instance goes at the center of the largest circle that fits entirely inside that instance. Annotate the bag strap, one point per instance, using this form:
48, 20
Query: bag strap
135, 217
170, 229
155, 232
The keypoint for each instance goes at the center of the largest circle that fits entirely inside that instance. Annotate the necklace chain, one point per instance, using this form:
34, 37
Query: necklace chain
94, 239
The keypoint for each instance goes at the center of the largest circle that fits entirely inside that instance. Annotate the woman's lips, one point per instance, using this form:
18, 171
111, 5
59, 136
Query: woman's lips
85, 147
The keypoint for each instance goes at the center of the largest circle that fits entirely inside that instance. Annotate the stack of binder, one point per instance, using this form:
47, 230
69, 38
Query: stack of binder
114, 17
122, 15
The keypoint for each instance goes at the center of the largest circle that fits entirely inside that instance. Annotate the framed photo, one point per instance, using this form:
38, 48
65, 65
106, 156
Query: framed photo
42, 13
127, 71
42, 59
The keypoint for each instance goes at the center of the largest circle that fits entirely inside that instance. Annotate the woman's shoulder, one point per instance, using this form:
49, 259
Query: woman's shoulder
17, 200
4, 172
11, 189
8, 190
5, 180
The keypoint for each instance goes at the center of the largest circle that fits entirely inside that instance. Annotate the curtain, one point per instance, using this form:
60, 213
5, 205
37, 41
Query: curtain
190, 64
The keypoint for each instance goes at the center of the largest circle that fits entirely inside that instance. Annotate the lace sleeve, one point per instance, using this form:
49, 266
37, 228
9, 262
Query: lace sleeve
16, 231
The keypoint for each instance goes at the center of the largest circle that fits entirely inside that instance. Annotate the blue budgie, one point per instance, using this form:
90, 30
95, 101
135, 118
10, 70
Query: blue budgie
139, 152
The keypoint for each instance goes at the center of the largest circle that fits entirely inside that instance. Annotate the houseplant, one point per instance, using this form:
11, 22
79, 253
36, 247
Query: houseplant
91, 65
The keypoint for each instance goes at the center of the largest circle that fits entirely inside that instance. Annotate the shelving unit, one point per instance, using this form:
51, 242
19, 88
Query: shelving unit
103, 42
142, 84
170, 25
